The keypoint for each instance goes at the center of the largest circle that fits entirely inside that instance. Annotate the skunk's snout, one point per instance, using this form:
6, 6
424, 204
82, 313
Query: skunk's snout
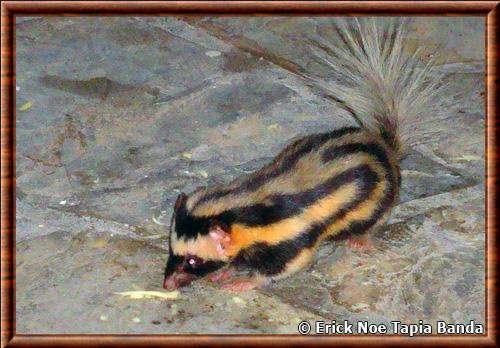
177, 280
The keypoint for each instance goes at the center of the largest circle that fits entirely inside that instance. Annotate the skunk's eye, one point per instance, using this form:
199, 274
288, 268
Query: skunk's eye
194, 261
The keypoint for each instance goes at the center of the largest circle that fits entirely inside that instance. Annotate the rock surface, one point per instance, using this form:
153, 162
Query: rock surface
117, 115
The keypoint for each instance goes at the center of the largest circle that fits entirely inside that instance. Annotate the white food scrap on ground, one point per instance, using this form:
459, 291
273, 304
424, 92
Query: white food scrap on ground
171, 295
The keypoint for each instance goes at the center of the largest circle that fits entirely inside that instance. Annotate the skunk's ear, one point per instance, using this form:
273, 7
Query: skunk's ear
181, 201
220, 235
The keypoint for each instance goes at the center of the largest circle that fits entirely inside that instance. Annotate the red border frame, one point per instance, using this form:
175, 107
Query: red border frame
9, 9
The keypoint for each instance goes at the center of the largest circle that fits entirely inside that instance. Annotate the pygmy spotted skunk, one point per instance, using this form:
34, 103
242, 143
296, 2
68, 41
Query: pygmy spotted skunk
343, 182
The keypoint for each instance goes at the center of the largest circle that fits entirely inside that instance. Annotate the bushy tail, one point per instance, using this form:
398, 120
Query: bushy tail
383, 82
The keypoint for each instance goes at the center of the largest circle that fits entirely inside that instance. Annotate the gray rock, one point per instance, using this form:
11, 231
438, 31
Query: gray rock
202, 153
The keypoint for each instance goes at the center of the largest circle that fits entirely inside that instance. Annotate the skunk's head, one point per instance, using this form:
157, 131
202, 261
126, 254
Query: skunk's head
192, 248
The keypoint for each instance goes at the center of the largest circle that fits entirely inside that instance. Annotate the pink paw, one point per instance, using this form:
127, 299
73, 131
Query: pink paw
220, 276
242, 284
361, 243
